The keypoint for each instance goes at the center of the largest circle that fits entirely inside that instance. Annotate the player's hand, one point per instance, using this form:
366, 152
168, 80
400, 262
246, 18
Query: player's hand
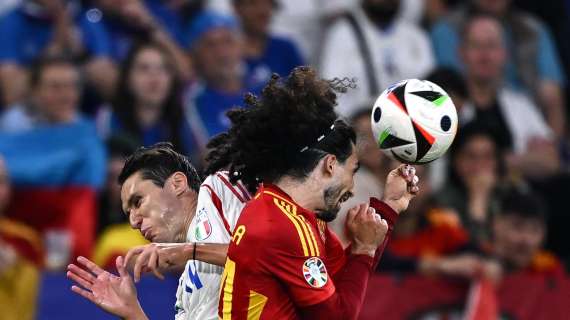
401, 187
155, 257
366, 229
114, 294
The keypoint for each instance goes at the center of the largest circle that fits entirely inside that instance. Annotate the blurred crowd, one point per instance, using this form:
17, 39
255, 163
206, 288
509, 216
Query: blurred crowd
84, 83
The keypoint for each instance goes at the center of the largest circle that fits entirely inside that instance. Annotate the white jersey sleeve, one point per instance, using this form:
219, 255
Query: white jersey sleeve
217, 211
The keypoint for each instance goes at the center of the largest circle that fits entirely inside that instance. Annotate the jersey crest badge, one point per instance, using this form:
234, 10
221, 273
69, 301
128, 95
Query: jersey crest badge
315, 272
203, 227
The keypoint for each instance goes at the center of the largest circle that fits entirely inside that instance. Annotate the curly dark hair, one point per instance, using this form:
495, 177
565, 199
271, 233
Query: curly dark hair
286, 131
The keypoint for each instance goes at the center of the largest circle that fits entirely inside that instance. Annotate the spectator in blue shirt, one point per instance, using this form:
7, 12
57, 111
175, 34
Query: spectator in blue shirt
46, 140
265, 53
533, 62
49, 27
128, 22
148, 105
215, 43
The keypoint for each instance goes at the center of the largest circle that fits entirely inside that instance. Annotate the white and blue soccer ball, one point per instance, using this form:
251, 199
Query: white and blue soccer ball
414, 121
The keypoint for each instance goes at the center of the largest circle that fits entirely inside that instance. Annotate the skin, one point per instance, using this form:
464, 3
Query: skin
255, 17
331, 183
57, 92
155, 211
476, 164
484, 54
148, 207
517, 239
150, 81
218, 55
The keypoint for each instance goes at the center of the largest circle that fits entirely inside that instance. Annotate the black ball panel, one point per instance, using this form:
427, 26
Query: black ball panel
445, 123
377, 114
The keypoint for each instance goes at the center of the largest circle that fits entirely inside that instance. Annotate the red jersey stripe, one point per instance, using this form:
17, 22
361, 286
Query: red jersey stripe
246, 195
218, 204
230, 186
243, 190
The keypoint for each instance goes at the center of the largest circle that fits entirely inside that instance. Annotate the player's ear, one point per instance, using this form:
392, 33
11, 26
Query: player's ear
330, 162
178, 182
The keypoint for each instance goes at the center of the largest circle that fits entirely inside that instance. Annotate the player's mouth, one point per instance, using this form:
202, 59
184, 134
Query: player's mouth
147, 234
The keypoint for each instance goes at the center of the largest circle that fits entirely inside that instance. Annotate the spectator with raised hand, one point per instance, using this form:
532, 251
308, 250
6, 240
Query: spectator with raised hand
377, 47
37, 28
532, 61
510, 113
130, 21
433, 240
148, 102
265, 53
216, 46
474, 177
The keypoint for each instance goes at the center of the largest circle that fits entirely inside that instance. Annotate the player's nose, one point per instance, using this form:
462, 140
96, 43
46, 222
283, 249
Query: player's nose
135, 219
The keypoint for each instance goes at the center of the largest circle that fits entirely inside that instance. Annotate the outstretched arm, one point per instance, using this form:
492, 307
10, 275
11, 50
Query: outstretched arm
114, 294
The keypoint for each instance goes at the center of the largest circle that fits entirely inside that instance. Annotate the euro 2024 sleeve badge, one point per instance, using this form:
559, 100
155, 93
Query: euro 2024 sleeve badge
315, 272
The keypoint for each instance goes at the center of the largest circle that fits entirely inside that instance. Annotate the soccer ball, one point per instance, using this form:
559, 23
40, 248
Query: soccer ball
414, 121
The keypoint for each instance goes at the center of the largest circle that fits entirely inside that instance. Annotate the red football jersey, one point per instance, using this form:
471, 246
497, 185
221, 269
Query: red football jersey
276, 260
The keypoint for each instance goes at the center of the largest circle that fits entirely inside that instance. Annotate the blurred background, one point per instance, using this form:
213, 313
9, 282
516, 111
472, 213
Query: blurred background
84, 83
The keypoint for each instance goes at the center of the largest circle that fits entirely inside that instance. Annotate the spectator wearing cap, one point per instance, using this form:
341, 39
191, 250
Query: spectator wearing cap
265, 53
216, 46
532, 62
37, 28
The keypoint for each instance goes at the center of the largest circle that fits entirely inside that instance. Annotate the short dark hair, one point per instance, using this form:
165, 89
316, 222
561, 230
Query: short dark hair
157, 163
284, 132
43, 63
522, 202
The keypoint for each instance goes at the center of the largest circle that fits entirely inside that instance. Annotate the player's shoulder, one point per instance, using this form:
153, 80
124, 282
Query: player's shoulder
289, 229
220, 184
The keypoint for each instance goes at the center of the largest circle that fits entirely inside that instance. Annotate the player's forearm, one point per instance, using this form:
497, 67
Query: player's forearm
212, 253
391, 217
352, 280
137, 314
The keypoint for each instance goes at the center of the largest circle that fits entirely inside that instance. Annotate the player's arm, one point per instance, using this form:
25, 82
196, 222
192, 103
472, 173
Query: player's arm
352, 280
114, 294
163, 257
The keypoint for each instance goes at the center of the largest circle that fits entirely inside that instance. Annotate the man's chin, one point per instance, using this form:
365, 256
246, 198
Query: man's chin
327, 216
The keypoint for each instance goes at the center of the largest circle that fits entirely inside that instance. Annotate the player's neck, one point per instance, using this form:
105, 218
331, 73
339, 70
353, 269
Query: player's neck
305, 193
189, 207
